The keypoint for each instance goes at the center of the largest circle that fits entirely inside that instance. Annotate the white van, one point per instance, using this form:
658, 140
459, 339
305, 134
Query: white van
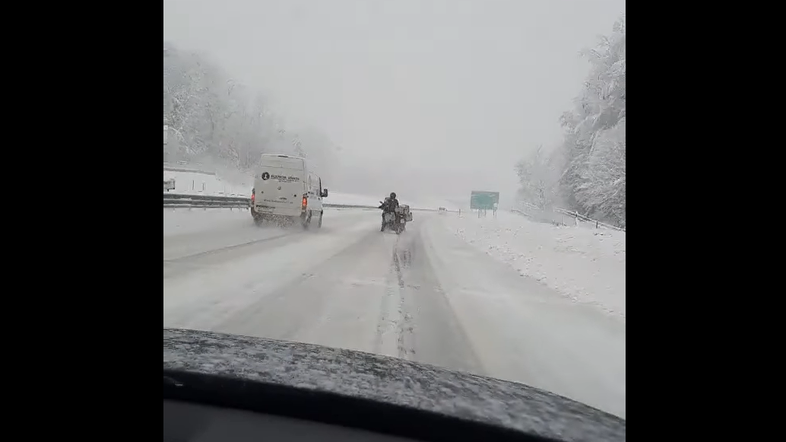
284, 189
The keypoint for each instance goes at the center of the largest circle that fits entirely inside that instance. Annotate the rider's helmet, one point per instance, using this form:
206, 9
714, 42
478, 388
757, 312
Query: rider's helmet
392, 195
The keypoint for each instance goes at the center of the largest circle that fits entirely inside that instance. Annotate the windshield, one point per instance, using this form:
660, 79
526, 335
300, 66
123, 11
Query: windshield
500, 126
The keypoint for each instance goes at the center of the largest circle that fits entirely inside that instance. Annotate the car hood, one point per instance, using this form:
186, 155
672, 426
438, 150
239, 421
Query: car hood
391, 380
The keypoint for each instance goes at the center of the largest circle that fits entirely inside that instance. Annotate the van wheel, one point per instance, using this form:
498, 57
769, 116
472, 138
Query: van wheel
319, 222
257, 218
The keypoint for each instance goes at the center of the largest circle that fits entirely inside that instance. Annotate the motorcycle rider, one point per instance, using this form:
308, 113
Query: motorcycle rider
389, 205
393, 201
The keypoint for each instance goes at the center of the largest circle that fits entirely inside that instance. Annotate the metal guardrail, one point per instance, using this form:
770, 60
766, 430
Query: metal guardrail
197, 201
598, 224
541, 215
175, 200
205, 201
185, 169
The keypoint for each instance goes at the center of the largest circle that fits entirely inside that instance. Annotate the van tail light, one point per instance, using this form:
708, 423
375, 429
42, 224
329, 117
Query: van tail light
253, 195
305, 202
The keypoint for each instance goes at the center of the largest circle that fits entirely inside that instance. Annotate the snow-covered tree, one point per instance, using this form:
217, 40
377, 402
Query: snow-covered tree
539, 177
592, 180
214, 118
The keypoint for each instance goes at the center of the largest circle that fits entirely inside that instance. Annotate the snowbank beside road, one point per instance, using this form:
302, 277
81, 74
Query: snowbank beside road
205, 184
216, 184
587, 265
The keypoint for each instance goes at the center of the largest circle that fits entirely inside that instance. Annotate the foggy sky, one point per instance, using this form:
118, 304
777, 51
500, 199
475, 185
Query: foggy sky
455, 91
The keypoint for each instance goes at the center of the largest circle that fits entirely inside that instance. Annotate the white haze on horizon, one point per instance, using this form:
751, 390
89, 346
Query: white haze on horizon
435, 97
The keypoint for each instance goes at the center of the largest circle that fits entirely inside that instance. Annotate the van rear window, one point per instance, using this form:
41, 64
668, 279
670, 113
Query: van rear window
282, 162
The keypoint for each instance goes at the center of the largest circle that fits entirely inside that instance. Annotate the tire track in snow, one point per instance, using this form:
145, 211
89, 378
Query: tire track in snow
240, 290
406, 347
299, 305
363, 290
386, 339
226, 248
433, 327
393, 323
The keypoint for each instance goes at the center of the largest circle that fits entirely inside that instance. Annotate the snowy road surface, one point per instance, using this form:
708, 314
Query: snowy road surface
426, 295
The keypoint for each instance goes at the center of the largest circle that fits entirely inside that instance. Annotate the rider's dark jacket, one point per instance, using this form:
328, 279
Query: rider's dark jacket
389, 205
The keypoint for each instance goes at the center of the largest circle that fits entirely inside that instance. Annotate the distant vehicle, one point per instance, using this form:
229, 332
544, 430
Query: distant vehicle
230, 388
443, 210
285, 191
169, 185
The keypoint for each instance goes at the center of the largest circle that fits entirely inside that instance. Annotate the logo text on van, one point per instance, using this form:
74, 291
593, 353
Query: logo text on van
285, 179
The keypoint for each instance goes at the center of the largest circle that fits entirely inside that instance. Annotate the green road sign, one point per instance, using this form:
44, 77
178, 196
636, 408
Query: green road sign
483, 200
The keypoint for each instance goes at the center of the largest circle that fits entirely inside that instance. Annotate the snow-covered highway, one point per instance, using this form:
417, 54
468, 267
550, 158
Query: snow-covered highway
427, 295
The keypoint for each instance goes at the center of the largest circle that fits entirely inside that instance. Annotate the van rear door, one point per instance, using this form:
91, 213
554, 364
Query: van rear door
279, 185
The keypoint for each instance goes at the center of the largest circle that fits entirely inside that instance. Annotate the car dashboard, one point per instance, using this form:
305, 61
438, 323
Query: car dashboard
190, 422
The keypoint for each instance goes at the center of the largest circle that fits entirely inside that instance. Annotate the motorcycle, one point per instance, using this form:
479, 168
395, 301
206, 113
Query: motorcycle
396, 220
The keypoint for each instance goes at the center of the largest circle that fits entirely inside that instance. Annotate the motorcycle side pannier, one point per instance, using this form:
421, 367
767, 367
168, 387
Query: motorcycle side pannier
404, 210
